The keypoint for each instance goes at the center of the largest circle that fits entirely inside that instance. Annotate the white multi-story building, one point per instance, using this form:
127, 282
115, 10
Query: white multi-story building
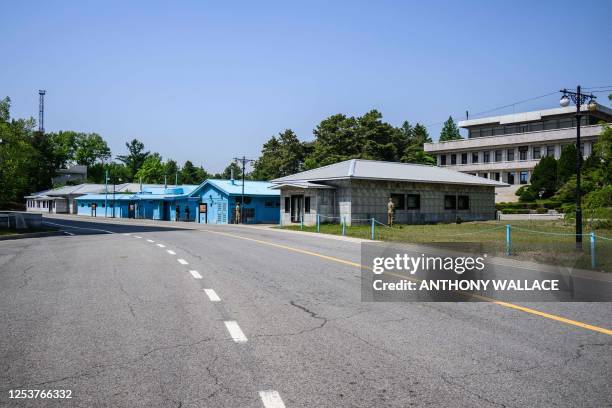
507, 148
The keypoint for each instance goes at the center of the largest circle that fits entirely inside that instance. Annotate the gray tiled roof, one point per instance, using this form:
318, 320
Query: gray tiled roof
381, 170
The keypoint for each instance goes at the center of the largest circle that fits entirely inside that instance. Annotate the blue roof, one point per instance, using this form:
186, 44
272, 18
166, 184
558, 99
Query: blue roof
253, 188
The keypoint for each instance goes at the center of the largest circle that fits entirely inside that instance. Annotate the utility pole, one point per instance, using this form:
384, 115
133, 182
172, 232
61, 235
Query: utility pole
578, 98
41, 110
244, 161
106, 193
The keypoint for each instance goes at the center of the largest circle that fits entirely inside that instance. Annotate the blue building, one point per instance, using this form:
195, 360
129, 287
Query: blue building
212, 202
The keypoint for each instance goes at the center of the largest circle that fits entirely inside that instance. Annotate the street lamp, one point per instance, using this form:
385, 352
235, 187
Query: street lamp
579, 99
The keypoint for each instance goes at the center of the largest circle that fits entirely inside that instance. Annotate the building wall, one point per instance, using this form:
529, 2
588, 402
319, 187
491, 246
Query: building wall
358, 201
222, 207
370, 197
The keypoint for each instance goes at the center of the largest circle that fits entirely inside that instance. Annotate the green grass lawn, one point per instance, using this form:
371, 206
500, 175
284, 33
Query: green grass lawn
542, 241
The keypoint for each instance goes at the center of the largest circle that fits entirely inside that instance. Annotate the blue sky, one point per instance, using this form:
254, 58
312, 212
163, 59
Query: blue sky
207, 81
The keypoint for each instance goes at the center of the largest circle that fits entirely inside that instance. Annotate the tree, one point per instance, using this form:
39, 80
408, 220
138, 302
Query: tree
64, 145
382, 141
268, 165
18, 157
89, 148
135, 158
450, 131
227, 172
335, 140
172, 171
566, 166
414, 151
280, 157
544, 178
191, 174
152, 170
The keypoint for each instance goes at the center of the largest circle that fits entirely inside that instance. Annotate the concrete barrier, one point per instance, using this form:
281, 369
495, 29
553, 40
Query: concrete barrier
20, 220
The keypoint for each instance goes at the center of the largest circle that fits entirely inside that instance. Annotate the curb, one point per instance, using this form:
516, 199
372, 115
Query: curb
31, 235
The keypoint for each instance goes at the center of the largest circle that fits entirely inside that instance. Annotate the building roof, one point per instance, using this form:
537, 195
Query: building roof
522, 117
302, 184
381, 170
234, 187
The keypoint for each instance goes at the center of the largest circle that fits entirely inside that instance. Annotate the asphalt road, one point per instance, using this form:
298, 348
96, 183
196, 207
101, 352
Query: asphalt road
110, 314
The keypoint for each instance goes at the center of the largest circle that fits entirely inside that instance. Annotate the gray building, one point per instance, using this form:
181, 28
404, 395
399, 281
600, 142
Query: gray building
507, 147
73, 174
357, 190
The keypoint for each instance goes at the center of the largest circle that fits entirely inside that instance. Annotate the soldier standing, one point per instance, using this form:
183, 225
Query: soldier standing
237, 220
390, 211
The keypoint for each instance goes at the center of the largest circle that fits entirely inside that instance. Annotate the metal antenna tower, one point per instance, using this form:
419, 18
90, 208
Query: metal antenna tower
41, 110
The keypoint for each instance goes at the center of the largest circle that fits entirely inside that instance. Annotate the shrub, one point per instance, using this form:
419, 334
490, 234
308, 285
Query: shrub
541, 211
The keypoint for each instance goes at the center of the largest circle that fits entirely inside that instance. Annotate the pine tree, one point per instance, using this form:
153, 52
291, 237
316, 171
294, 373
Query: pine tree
450, 131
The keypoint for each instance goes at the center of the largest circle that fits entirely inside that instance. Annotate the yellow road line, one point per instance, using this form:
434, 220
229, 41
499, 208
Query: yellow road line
360, 266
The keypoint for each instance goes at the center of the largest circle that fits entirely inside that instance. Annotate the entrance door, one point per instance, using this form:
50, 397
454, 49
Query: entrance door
131, 210
511, 178
297, 205
166, 211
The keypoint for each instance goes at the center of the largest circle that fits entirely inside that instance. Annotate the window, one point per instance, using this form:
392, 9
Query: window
450, 202
522, 128
537, 126
497, 176
474, 133
463, 158
551, 124
413, 201
536, 153
463, 202
523, 176
510, 129
523, 152
498, 155
287, 204
486, 157
582, 149
82, 204
474, 157
453, 158
511, 178
398, 200
443, 160
307, 205
486, 132
550, 151
510, 155
484, 175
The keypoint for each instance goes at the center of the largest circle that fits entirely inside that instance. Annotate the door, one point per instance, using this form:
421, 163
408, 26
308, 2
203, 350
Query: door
297, 205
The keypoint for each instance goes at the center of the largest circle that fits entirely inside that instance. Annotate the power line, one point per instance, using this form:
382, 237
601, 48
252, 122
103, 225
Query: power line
501, 107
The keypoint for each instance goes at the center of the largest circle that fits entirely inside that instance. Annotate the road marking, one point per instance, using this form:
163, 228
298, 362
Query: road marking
171, 252
355, 264
81, 228
136, 236
182, 261
126, 234
212, 295
161, 245
235, 331
195, 274
271, 399
150, 240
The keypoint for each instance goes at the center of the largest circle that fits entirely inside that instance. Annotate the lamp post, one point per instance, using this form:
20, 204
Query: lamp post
244, 161
579, 99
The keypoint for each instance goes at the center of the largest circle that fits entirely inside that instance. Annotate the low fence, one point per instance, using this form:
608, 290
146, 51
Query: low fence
506, 240
20, 220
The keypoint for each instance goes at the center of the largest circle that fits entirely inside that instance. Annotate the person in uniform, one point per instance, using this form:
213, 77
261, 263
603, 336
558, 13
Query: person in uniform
177, 215
390, 211
237, 220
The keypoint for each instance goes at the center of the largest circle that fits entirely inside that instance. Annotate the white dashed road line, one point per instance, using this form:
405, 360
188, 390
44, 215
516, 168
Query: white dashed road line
235, 331
212, 295
161, 245
150, 240
271, 399
171, 252
126, 234
195, 274
136, 236
182, 261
